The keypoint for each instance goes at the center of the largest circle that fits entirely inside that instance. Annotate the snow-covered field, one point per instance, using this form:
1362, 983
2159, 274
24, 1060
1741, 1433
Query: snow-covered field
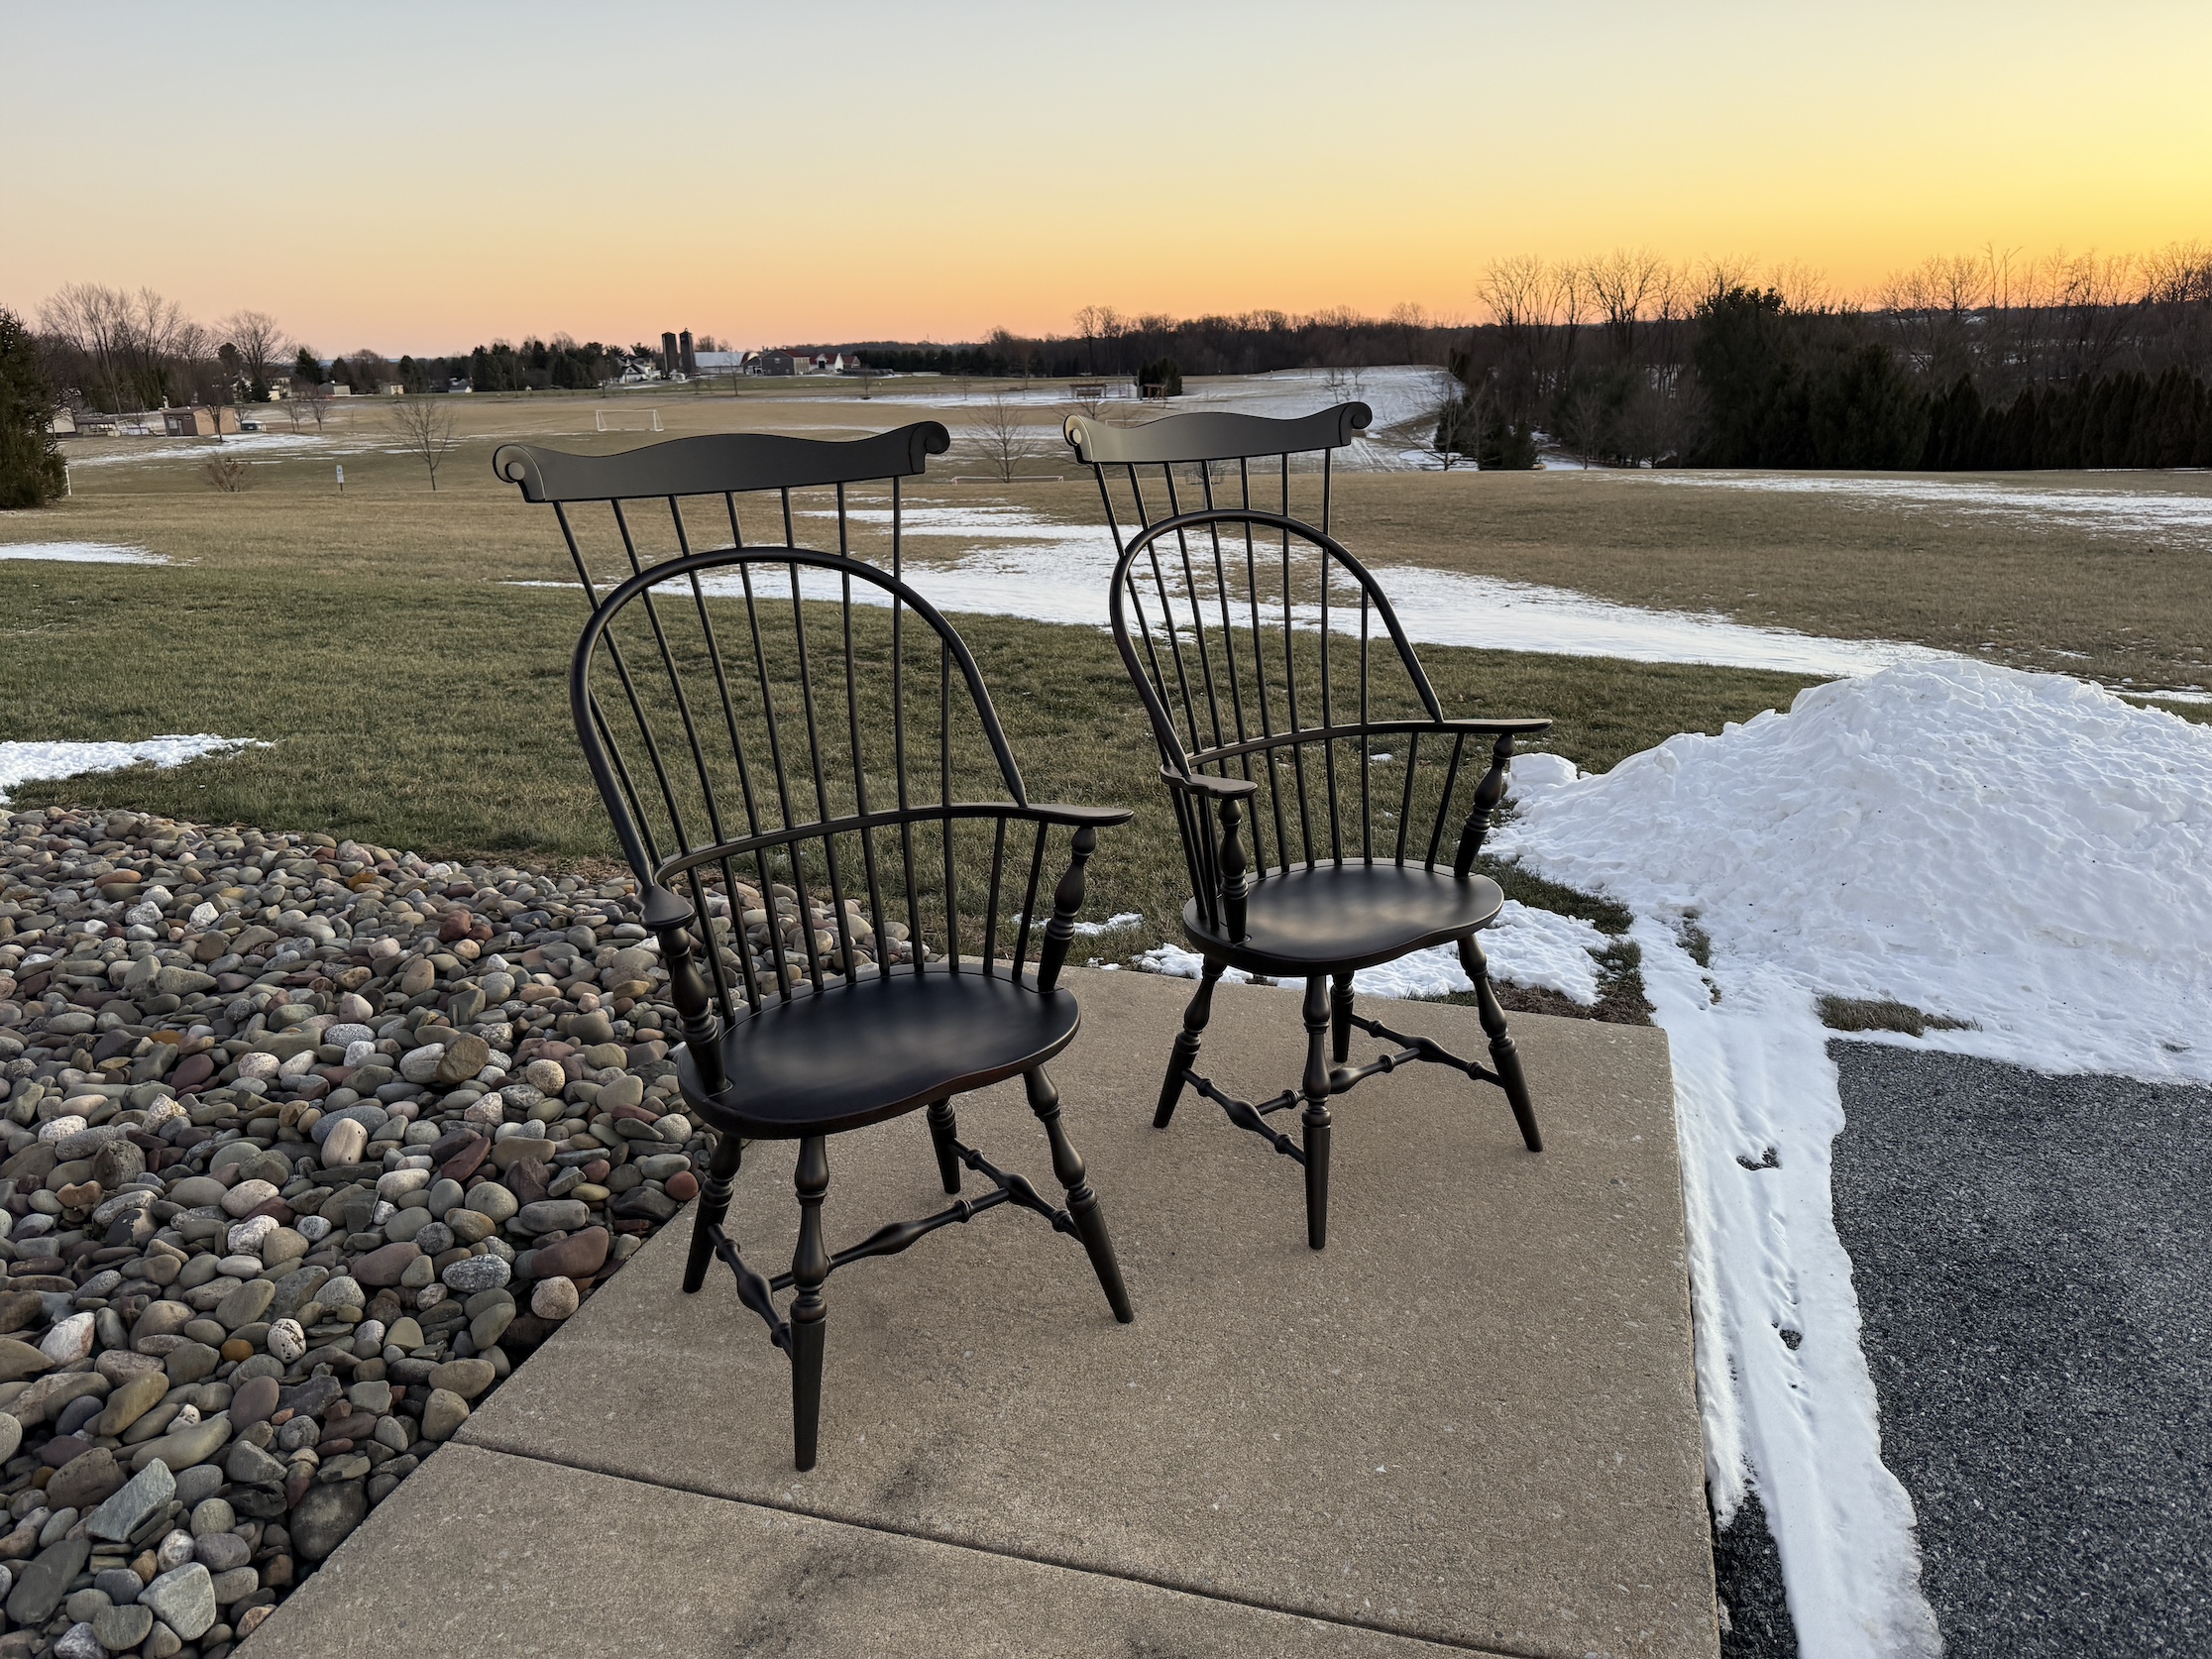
80, 553
20, 763
2022, 851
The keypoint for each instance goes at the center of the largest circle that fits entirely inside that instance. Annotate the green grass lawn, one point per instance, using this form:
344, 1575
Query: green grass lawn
432, 713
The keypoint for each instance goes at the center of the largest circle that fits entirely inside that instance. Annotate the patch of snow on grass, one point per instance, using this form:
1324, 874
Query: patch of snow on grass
2023, 851
1061, 573
1178, 963
80, 553
22, 762
1525, 947
252, 445
2157, 511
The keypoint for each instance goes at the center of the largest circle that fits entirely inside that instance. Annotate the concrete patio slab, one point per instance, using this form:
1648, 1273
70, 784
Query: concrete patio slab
1471, 1422
591, 1566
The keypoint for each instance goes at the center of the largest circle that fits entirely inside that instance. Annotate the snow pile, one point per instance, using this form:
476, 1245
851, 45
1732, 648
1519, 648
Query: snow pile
1525, 947
80, 553
22, 762
2023, 851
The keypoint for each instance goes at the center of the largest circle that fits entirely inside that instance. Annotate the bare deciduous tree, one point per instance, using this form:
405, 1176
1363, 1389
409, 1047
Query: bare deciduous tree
137, 348
424, 427
1003, 436
311, 399
260, 343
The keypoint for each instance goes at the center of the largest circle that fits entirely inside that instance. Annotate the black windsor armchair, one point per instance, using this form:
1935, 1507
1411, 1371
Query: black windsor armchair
1274, 671
834, 848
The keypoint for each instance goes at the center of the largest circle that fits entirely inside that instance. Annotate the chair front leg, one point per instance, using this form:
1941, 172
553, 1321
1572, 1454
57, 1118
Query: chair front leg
1185, 1052
1315, 1117
809, 1265
1505, 1057
713, 1205
1083, 1202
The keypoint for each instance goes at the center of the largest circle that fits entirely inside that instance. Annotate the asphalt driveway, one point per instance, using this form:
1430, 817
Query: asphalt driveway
2034, 1263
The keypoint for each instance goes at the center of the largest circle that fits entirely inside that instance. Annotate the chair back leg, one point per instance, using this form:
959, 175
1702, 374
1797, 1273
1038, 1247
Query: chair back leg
1315, 1117
1505, 1057
714, 1206
809, 1265
1340, 1019
1083, 1202
944, 1130
1186, 1054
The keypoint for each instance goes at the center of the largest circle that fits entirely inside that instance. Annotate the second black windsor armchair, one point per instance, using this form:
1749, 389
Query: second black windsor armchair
830, 835
1274, 670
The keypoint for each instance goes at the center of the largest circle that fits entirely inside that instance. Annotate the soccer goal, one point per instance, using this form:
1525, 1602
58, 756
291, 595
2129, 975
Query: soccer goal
627, 420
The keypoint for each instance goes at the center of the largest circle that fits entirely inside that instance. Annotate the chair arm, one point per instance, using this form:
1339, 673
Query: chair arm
1098, 817
669, 918
1205, 783
1489, 729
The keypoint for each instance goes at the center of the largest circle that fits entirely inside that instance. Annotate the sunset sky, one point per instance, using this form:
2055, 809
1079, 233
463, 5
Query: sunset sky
420, 177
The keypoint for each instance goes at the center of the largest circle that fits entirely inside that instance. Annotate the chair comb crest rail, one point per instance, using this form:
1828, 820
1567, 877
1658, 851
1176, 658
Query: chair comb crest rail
1330, 812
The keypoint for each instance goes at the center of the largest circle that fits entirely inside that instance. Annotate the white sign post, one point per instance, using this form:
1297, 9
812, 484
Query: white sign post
341, 477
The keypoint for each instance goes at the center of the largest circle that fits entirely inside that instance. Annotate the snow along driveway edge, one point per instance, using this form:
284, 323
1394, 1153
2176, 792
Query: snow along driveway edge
1756, 1113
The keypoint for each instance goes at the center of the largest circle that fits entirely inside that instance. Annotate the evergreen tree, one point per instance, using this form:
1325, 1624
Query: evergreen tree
1507, 446
1745, 358
2014, 445
30, 469
1863, 413
308, 367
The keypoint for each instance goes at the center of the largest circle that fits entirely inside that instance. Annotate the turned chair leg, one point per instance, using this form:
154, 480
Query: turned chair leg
713, 1205
944, 1130
1315, 1117
1185, 1052
1083, 1202
809, 1265
1504, 1059
1340, 1019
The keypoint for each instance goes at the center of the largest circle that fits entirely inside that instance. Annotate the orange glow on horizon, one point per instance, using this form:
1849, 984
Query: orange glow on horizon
424, 179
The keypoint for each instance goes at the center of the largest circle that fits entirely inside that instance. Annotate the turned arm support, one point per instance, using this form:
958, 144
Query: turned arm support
1228, 795
1067, 900
1488, 794
669, 918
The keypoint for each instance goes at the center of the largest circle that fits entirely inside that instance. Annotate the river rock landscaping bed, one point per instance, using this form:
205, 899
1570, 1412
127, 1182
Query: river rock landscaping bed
307, 1144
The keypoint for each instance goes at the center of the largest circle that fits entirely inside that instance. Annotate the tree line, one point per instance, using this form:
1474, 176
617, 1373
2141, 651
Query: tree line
1982, 363
118, 350
1104, 344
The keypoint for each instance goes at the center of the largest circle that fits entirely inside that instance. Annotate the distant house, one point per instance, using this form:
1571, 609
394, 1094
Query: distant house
782, 362
197, 421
